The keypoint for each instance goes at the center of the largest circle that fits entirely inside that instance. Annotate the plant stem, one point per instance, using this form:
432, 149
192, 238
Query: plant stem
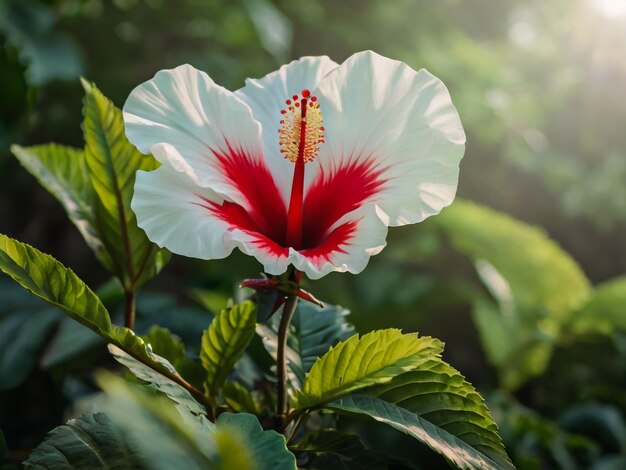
281, 359
129, 309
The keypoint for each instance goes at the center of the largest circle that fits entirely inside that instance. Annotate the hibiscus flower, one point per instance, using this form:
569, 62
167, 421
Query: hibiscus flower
307, 166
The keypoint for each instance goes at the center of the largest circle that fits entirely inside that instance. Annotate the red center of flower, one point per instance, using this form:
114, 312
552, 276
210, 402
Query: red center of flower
300, 136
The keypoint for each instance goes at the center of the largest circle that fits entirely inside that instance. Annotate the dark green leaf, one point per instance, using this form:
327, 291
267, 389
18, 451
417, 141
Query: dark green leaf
26, 324
47, 278
464, 437
91, 441
613, 462
360, 362
312, 332
71, 340
64, 173
224, 342
333, 450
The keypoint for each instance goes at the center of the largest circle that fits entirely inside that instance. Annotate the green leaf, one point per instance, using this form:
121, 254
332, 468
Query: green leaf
165, 436
334, 450
360, 362
47, 278
537, 286
163, 384
71, 340
268, 449
516, 347
165, 344
239, 398
91, 441
604, 313
437, 406
224, 342
312, 332
95, 188
26, 323
113, 161
169, 437
64, 173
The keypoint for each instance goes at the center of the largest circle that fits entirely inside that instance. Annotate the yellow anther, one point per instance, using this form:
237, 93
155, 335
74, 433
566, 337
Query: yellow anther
301, 131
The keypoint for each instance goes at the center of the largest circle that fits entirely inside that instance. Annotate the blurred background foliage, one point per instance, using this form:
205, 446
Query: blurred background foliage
534, 317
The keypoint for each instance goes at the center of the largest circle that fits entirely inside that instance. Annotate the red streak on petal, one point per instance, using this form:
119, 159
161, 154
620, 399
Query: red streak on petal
252, 178
335, 242
334, 193
238, 219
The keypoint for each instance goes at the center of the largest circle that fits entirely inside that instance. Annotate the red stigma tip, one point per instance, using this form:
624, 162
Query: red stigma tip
282, 111
295, 97
314, 98
288, 102
306, 93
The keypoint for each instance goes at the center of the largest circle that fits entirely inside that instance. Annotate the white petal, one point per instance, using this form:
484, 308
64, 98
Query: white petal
273, 262
169, 207
186, 120
368, 239
381, 110
266, 97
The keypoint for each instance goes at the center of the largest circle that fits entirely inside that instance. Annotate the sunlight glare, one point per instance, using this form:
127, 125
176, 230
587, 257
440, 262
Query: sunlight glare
610, 8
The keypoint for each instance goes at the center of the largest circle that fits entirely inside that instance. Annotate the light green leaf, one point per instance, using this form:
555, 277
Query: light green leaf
113, 161
165, 344
515, 347
91, 441
64, 173
537, 286
333, 450
312, 332
224, 342
438, 407
267, 449
164, 385
47, 278
606, 310
360, 362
